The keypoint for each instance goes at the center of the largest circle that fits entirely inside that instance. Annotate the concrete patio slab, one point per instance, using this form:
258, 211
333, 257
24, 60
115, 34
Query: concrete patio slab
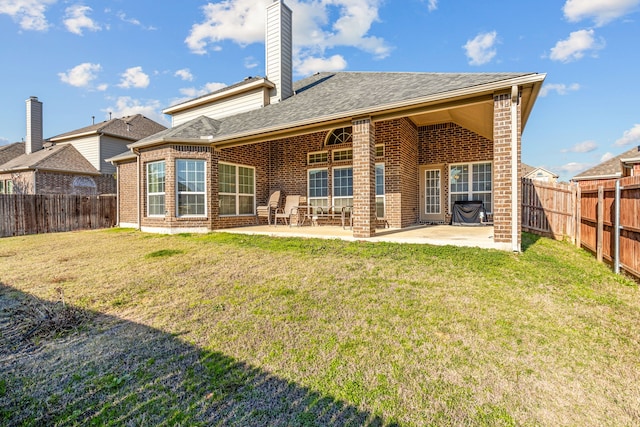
478, 236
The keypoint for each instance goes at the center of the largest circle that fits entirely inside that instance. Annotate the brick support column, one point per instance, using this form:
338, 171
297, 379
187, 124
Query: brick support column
507, 194
364, 178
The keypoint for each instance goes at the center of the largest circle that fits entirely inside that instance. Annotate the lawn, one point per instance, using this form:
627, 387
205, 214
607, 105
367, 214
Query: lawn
118, 327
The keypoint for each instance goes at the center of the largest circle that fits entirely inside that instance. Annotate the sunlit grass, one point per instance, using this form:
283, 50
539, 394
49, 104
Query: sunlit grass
290, 331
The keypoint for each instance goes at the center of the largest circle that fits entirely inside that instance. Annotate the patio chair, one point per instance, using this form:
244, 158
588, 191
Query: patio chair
271, 206
290, 209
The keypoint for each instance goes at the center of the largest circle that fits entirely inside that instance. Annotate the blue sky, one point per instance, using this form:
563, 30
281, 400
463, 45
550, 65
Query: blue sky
84, 59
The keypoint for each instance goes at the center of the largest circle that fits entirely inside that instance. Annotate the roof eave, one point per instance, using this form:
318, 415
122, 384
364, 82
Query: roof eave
75, 135
596, 177
168, 140
218, 96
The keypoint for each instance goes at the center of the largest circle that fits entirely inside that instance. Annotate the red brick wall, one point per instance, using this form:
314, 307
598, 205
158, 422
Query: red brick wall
364, 184
502, 188
60, 183
449, 143
127, 194
400, 138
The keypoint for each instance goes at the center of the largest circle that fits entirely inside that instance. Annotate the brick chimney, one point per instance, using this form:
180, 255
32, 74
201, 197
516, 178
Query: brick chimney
278, 47
34, 125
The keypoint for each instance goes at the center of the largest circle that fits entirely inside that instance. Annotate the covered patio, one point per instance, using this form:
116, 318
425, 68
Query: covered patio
479, 236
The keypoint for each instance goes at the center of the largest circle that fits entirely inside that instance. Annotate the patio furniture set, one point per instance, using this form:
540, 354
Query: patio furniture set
295, 213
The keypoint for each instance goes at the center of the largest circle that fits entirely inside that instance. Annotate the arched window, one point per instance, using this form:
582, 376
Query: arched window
340, 136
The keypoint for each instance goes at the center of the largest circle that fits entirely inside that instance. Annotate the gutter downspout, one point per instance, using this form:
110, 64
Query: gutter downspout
138, 181
515, 246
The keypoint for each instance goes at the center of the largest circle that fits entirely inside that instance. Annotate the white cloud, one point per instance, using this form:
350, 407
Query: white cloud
606, 156
3, 140
76, 19
559, 88
81, 75
127, 106
575, 46
601, 11
184, 74
631, 136
314, 26
310, 65
481, 49
433, 5
134, 77
582, 147
250, 62
573, 168
133, 21
29, 14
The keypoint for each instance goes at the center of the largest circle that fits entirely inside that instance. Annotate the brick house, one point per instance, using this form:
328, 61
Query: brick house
620, 166
403, 146
73, 162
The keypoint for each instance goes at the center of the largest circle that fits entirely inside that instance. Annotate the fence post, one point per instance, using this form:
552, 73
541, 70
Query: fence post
578, 215
616, 255
600, 228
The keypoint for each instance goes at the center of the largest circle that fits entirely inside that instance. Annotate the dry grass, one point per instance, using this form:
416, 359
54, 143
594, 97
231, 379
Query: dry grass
241, 330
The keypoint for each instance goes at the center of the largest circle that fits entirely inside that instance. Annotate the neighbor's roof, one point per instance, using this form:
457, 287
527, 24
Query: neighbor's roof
331, 97
611, 168
529, 170
62, 158
130, 127
11, 151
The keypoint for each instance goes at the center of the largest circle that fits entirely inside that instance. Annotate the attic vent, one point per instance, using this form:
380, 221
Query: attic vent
340, 136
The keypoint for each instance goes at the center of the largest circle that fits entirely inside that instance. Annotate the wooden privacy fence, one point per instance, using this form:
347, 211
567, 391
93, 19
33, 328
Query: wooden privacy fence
549, 209
604, 219
610, 223
33, 214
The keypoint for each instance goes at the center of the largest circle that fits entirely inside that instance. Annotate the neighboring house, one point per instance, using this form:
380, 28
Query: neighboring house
620, 166
9, 152
539, 174
403, 146
73, 162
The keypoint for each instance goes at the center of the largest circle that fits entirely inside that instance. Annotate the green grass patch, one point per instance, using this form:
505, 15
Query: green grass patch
225, 329
164, 253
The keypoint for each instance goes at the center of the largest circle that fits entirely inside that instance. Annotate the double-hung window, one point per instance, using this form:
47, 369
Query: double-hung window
318, 194
155, 188
472, 181
236, 189
342, 187
190, 187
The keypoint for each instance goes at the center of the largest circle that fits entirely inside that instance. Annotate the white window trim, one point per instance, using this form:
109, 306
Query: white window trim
237, 194
470, 192
163, 193
439, 170
190, 192
309, 198
317, 163
384, 189
333, 187
343, 150
383, 151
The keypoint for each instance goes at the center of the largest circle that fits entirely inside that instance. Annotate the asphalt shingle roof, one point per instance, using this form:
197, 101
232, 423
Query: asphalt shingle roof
11, 151
609, 168
327, 95
130, 127
64, 158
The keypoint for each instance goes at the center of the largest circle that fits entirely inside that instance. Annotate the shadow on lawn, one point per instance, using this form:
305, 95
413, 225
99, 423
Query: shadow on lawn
108, 370
529, 240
